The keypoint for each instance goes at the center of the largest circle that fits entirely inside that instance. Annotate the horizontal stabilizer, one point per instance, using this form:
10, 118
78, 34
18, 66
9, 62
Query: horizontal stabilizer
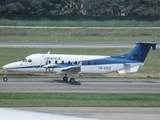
128, 70
152, 44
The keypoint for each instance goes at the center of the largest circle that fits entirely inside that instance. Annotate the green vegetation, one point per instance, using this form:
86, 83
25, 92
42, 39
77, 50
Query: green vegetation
79, 35
50, 8
78, 100
151, 67
79, 23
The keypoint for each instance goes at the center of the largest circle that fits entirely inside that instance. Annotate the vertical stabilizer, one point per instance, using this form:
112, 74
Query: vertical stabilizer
141, 50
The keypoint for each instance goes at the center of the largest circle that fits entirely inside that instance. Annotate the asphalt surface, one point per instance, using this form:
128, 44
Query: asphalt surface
102, 113
82, 85
69, 44
65, 44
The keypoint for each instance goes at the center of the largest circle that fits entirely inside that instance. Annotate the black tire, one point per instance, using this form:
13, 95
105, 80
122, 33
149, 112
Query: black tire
65, 79
72, 80
5, 79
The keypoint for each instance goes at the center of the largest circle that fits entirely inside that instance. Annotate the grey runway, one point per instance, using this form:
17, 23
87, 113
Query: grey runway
82, 85
69, 44
65, 44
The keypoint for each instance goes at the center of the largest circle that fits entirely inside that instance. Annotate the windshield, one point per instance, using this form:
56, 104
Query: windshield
24, 60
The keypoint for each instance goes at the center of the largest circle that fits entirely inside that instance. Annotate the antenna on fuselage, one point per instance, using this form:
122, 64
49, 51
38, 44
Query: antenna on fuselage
48, 52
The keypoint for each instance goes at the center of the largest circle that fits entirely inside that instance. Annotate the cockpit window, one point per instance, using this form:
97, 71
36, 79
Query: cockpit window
29, 60
24, 60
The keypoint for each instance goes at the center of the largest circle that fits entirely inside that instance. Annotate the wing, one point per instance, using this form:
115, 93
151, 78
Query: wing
64, 68
73, 69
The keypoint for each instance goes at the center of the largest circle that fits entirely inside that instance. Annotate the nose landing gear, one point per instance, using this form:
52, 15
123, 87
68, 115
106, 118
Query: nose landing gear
5, 79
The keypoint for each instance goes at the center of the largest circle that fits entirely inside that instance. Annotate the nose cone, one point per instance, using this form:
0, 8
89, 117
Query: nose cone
11, 66
4, 67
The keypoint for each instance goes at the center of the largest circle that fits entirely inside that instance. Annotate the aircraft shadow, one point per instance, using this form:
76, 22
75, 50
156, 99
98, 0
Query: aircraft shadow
47, 81
67, 82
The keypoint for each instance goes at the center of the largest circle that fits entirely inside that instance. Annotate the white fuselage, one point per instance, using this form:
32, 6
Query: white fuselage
91, 64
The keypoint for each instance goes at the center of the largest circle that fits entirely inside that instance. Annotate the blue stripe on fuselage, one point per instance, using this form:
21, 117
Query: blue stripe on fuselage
110, 60
37, 66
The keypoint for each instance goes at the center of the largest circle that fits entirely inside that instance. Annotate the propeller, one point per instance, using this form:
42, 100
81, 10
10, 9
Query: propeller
47, 63
48, 66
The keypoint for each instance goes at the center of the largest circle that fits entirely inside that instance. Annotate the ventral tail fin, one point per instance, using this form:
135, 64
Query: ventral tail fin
141, 50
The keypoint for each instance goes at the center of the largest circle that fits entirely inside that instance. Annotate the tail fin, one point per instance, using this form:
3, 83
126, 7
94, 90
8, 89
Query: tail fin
141, 50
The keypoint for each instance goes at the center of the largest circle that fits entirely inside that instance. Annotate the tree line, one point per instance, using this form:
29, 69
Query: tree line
81, 7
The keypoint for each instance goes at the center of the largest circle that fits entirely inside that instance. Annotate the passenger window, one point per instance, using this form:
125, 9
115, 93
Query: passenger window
95, 63
88, 62
62, 62
75, 62
56, 62
49, 62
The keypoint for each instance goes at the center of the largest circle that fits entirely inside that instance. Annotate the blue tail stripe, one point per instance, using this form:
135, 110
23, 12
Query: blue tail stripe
140, 52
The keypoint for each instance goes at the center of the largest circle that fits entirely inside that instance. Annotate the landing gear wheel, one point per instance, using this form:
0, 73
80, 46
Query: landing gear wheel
65, 79
72, 80
5, 79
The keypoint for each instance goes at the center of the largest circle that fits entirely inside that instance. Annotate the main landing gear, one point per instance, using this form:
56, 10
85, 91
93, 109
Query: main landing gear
5, 79
65, 79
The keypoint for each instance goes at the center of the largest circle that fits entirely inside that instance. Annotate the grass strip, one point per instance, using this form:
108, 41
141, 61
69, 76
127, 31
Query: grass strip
78, 100
78, 35
79, 22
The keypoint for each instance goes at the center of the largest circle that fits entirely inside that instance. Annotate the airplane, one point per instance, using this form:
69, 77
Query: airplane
82, 64
9, 114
